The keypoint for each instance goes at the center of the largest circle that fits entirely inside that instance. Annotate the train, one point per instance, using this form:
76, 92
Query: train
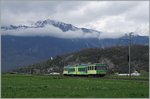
96, 69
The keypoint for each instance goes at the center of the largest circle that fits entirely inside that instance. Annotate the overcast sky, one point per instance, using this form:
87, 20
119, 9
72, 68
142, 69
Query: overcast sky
112, 17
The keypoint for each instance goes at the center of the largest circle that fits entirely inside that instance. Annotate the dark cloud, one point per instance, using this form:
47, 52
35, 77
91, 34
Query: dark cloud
109, 16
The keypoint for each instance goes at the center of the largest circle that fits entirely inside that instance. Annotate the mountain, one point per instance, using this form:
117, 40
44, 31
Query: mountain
64, 27
20, 51
61, 25
20, 46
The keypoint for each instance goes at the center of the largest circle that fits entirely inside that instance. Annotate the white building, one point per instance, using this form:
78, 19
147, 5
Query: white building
135, 73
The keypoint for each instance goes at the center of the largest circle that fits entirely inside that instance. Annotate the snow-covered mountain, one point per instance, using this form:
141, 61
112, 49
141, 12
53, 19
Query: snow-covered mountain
61, 25
52, 26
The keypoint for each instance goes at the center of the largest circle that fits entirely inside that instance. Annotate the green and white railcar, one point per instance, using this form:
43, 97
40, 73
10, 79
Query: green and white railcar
69, 70
81, 70
96, 69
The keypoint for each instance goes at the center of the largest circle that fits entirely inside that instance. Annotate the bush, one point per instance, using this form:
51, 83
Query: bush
144, 73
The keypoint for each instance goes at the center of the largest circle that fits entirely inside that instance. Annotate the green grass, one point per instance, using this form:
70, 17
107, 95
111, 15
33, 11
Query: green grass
33, 86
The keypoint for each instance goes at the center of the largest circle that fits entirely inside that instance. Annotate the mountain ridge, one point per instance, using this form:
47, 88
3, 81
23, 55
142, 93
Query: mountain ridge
40, 24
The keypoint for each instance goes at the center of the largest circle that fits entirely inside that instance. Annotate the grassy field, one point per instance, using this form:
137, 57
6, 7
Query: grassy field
33, 86
146, 78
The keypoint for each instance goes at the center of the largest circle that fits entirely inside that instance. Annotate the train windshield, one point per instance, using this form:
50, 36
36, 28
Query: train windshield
100, 67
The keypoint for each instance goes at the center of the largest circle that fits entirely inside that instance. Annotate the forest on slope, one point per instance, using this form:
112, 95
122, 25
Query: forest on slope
115, 57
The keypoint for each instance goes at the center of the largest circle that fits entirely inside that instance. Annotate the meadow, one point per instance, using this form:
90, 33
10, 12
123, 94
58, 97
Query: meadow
36, 86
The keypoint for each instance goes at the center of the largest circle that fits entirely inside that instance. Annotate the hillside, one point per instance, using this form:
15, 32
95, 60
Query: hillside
21, 51
115, 57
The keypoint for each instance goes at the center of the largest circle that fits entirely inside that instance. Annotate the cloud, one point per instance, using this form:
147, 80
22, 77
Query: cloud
19, 12
139, 14
52, 31
131, 17
119, 25
111, 17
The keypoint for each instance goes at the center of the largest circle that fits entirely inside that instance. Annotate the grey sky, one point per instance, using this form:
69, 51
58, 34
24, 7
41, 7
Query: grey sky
107, 16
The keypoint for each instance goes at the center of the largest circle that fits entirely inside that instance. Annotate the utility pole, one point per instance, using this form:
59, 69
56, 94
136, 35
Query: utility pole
130, 34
